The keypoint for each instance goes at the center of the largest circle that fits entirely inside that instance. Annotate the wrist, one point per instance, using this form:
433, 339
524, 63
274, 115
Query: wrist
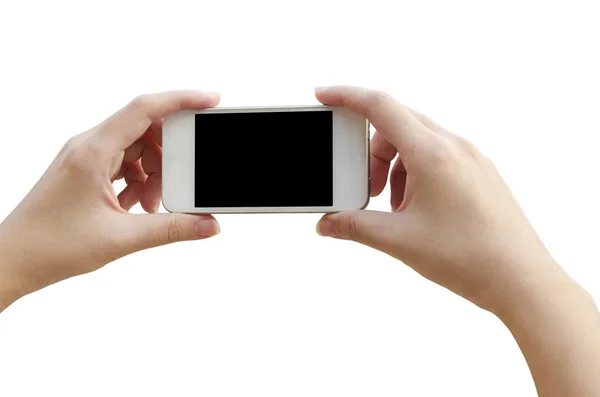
10, 291
556, 324
544, 294
10, 288
11, 285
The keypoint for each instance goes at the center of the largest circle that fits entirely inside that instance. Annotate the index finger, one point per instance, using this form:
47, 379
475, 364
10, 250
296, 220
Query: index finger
395, 122
130, 123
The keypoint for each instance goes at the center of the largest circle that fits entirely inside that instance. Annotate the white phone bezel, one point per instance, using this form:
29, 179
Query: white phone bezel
350, 161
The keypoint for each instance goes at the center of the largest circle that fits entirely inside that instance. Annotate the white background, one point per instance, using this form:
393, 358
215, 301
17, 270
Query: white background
268, 308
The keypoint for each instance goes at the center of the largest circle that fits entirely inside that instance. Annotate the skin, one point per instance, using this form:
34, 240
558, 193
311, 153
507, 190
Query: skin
453, 220
74, 222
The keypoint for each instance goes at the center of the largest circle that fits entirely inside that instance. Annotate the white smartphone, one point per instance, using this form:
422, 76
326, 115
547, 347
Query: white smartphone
265, 159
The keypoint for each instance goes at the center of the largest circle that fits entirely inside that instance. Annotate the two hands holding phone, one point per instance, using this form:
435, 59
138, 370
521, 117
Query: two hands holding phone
453, 220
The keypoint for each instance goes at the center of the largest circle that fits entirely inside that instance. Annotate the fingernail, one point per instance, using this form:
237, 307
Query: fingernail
320, 88
207, 228
327, 228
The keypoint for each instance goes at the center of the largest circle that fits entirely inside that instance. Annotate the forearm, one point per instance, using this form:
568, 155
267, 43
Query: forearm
557, 327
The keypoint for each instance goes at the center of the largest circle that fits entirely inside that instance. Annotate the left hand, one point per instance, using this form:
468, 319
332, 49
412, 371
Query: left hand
73, 222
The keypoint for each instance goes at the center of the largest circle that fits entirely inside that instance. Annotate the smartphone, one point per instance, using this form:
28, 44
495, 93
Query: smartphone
265, 159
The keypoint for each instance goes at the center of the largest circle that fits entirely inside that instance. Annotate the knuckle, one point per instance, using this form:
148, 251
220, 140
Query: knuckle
469, 147
471, 153
70, 153
348, 228
172, 234
73, 161
72, 143
79, 151
377, 98
487, 162
442, 153
455, 155
140, 102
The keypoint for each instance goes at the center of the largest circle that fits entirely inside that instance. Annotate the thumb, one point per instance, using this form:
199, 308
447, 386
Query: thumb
148, 231
376, 229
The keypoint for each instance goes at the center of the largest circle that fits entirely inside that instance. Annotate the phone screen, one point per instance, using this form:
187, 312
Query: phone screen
264, 159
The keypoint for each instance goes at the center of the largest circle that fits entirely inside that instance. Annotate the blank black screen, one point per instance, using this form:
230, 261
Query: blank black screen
266, 159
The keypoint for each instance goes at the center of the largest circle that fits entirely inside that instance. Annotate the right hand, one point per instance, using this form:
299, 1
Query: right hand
453, 218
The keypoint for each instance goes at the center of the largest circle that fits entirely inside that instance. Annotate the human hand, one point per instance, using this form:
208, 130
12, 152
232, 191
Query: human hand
453, 218
73, 222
